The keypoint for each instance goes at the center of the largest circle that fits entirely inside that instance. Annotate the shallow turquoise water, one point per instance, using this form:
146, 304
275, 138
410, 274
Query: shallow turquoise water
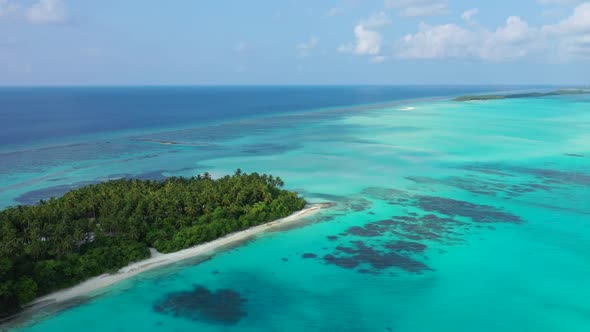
449, 217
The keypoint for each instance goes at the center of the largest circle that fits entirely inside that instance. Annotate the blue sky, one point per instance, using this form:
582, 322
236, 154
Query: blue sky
104, 42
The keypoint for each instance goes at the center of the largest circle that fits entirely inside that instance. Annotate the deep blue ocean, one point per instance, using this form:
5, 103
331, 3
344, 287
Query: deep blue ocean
39, 114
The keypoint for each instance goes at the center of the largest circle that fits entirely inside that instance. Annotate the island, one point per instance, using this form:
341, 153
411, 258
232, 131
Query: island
523, 95
101, 228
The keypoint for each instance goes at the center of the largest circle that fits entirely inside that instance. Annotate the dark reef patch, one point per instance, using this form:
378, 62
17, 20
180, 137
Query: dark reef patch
360, 204
434, 204
224, 306
375, 257
332, 237
308, 255
427, 227
379, 253
402, 240
476, 212
553, 176
487, 170
367, 231
547, 176
405, 246
488, 187
325, 218
347, 263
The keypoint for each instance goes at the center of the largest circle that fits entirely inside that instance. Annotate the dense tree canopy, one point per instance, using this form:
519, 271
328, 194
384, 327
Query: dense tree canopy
103, 227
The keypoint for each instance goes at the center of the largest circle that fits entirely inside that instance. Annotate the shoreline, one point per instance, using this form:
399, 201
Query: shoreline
158, 260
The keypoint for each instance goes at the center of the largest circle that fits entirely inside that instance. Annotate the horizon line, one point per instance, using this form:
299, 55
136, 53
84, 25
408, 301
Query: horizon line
288, 85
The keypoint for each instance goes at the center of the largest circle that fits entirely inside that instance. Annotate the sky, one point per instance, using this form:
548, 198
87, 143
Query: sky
260, 42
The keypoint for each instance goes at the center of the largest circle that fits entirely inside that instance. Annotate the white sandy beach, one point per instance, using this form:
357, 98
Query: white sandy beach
159, 259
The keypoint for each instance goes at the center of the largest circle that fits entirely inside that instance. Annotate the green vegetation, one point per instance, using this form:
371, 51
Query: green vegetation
480, 97
524, 95
103, 227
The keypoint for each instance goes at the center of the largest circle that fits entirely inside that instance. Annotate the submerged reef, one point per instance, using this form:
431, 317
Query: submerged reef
476, 212
224, 306
376, 257
401, 241
543, 176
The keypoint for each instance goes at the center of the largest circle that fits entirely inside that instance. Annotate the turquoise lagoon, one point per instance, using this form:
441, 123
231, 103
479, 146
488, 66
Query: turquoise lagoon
449, 217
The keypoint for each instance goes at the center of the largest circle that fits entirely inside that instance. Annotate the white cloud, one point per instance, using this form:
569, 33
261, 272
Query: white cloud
47, 12
469, 14
377, 21
572, 35
577, 47
514, 40
515, 31
419, 8
441, 41
368, 40
579, 22
304, 49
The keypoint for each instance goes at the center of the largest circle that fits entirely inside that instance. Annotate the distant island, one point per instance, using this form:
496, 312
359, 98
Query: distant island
101, 228
524, 95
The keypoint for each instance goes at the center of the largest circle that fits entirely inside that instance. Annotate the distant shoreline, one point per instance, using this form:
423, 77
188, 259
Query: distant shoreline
159, 260
562, 92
